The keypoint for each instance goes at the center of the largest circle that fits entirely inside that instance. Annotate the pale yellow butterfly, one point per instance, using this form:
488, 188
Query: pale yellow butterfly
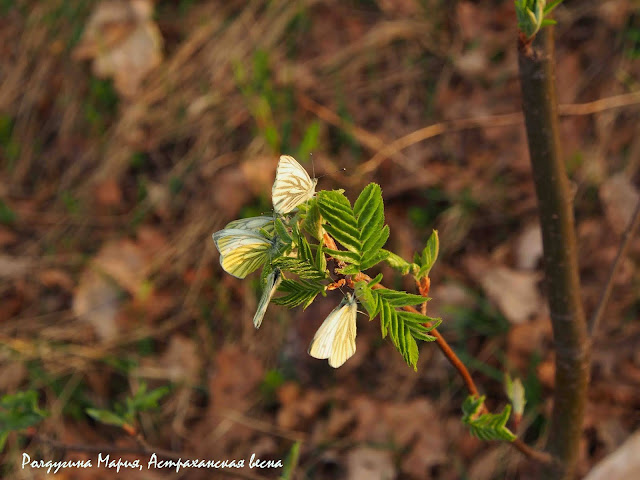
336, 337
242, 251
273, 281
292, 186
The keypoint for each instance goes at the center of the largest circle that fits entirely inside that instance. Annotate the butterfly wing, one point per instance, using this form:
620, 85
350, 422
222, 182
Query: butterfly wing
273, 280
336, 337
292, 186
253, 223
241, 251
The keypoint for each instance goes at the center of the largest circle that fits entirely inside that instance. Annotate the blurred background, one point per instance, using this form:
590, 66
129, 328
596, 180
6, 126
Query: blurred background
132, 130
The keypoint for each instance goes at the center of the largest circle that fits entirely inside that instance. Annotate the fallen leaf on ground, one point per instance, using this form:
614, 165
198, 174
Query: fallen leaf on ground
123, 41
97, 302
619, 197
529, 247
514, 292
365, 463
623, 464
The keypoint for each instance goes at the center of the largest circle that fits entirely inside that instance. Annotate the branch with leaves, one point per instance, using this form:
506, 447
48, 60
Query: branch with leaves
316, 243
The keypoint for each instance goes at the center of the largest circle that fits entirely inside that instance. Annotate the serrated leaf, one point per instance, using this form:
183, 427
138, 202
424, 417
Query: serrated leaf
301, 292
281, 231
377, 279
360, 231
373, 260
486, 426
367, 298
349, 257
416, 318
397, 262
374, 243
312, 222
429, 255
401, 299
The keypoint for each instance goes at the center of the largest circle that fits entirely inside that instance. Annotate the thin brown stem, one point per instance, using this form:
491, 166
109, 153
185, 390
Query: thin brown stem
530, 452
625, 243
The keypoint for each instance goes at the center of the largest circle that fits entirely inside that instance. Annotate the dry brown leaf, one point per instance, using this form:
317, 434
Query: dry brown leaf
126, 263
7, 237
237, 375
97, 302
514, 292
528, 249
108, 193
13, 267
123, 41
623, 464
53, 277
619, 197
179, 363
365, 463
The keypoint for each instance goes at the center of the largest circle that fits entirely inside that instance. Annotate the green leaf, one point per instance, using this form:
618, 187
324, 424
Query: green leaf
312, 222
367, 298
19, 411
105, 416
429, 255
281, 232
401, 299
291, 462
550, 7
302, 268
416, 318
397, 262
486, 426
376, 280
360, 231
374, 259
301, 292
349, 257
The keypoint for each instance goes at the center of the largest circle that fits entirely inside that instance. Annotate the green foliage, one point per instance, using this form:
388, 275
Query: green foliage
300, 292
400, 264
428, 257
533, 15
7, 216
486, 426
18, 412
360, 230
124, 414
404, 328
291, 462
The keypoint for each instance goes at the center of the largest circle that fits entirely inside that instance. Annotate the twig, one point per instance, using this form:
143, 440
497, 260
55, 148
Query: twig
490, 121
625, 243
538, 455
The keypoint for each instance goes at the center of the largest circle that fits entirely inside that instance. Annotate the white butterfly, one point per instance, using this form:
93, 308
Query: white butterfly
292, 187
273, 280
243, 251
253, 223
336, 337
